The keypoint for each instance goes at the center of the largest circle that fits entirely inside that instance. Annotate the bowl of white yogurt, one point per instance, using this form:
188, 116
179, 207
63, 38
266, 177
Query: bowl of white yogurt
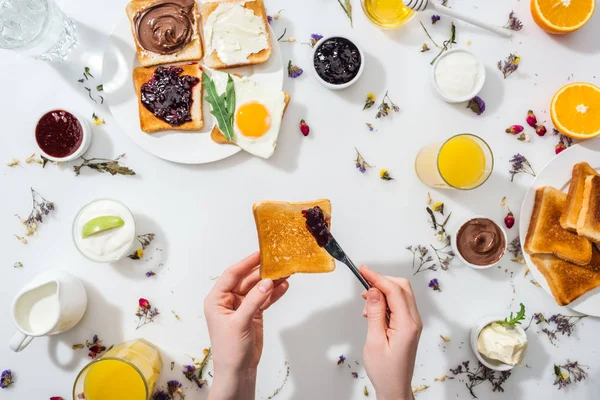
458, 76
497, 346
108, 245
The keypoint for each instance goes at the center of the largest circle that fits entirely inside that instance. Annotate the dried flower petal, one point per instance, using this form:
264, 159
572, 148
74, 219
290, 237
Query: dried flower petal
435, 18
361, 163
424, 48
438, 207
477, 105
520, 164
514, 129
435, 285
510, 65
370, 101
294, 71
384, 108
341, 360
6, 379
102, 165
13, 163
304, 128
314, 39
514, 24
97, 120
417, 389
385, 175
531, 119
370, 127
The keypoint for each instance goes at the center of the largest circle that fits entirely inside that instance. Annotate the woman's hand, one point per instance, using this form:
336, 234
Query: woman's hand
390, 351
234, 313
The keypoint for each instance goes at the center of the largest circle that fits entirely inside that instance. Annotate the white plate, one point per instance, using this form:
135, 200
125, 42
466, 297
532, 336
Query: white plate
187, 148
557, 173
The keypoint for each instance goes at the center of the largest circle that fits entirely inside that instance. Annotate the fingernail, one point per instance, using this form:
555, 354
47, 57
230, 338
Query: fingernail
364, 293
365, 310
373, 295
265, 285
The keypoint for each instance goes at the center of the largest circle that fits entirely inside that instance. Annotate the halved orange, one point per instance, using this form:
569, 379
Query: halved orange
575, 110
562, 16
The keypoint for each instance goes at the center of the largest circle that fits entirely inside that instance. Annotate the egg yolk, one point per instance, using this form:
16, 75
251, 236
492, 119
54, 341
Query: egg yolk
253, 119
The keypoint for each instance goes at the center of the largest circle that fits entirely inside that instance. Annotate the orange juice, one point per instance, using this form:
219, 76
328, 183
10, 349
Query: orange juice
461, 162
387, 14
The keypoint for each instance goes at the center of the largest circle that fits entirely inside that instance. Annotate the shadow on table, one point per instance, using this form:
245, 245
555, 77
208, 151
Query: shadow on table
584, 40
101, 318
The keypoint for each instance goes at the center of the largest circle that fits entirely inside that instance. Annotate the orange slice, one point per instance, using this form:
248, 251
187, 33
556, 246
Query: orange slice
562, 16
575, 110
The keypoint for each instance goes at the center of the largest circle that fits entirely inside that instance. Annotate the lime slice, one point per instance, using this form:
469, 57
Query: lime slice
101, 224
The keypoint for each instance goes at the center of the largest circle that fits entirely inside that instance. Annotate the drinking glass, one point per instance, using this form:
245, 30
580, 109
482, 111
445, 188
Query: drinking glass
126, 372
387, 14
463, 162
37, 28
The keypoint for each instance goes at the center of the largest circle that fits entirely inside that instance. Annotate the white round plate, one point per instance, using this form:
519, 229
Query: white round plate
187, 148
557, 173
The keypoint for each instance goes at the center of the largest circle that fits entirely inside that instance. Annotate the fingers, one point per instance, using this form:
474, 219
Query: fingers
254, 300
410, 298
248, 282
377, 326
281, 287
232, 275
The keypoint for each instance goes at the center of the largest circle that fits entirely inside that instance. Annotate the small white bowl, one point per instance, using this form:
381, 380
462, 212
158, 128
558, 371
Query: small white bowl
476, 89
491, 364
343, 85
85, 143
453, 239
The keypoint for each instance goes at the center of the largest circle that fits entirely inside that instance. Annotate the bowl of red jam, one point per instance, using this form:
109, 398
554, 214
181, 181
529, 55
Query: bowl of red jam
62, 136
338, 62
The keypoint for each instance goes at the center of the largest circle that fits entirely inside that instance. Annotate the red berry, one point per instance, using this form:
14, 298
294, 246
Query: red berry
540, 130
304, 128
509, 220
531, 119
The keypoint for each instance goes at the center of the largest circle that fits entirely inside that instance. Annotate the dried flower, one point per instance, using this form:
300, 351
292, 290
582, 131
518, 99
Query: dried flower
523, 137
278, 14
514, 129
417, 389
535, 283
384, 108
370, 127
366, 391
441, 378
173, 388
289, 40
520, 164
540, 130
435, 18
150, 274
145, 313
509, 220
304, 128
341, 360
447, 43
424, 48
355, 375
95, 347
195, 371
314, 39
559, 147
514, 247
514, 24
429, 198
6, 379
13, 163
424, 259
480, 375
18, 264
477, 105
33, 159
531, 119
361, 163
145, 241
569, 373
565, 324
97, 120
385, 175
41, 208
435, 285
511, 64
56, 398
160, 395
294, 71
370, 101
347, 7
104, 165
438, 207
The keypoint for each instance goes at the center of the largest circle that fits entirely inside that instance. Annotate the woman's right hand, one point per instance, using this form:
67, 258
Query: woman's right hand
390, 350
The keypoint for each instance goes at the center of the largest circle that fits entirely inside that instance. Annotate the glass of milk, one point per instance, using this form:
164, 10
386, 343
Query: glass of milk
110, 245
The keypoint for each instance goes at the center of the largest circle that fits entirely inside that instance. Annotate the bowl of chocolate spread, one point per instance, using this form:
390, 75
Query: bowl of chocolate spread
480, 242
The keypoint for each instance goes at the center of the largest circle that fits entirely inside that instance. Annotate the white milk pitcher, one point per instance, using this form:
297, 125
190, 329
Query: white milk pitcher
54, 302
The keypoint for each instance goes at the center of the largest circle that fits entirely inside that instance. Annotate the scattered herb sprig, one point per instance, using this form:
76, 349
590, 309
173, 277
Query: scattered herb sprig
103, 165
285, 379
516, 319
514, 248
195, 372
520, 164
480, 375
571, 372
564, 324
145, 313
386, 106
145, 241
361, 163
447, 43
513, 23
510, 65
424, 259
294, 71
40, 208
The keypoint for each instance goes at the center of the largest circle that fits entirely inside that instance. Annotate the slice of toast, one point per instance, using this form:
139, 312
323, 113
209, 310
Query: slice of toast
570, 215
286, 245
588, 224
546, 236
149, 123
211, 58
568, 281
193, 51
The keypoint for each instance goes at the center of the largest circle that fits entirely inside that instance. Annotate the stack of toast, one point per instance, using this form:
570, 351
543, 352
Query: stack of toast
563, 231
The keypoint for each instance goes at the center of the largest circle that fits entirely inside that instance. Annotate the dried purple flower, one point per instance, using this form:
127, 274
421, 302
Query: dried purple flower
435, 18
435, 285
520, 164
355, 375
514, 247
514, 24
385, 108
511, 64
194, 372
41, 208
361, 163
568, 373
269, 19
314, 38
370, 127
477, 105
341, 360
174, 387
294, 71
480, 375
6, 379
150, 274
145, 313
161, 395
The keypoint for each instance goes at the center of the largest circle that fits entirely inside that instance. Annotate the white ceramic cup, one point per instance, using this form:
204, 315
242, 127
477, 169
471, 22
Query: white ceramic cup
343, 85
453, 239
491, 364
52, 303
476, 89
85, 143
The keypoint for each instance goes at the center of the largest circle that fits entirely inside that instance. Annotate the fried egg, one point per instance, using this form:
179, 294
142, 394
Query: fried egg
258, 114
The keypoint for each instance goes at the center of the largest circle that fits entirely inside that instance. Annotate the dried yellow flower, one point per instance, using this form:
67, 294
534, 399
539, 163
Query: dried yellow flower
441, 378
139, 252
13, 163
445, 339
21, 239
417, 389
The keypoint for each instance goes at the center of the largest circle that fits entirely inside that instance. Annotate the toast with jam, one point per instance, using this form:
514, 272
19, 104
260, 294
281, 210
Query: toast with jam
286, 245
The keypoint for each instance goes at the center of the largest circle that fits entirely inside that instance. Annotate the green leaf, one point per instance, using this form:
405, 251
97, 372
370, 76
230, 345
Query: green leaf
230, 98
514, 320
220, 103
347, 7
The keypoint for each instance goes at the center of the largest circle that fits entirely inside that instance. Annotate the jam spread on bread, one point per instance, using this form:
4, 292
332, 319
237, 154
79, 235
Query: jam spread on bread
481, 242
337, 60
59, 133
166, 26
168, 95
317, 225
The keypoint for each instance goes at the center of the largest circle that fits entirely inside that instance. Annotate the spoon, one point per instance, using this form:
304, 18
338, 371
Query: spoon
422, 5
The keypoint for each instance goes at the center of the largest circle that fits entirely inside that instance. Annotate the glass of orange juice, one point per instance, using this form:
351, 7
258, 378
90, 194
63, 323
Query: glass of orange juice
462, 162
387, 14
126, 372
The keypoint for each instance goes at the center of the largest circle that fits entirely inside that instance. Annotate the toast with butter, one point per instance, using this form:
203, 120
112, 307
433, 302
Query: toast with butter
236, 33
546, 236
149, 122
568, 281
588, 224
165, 31
570, 214
286, 246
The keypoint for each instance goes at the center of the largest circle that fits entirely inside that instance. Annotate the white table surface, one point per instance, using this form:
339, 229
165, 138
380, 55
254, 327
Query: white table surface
203, 221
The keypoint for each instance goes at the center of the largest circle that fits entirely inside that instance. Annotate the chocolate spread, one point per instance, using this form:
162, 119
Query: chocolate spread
165, 27
480, 241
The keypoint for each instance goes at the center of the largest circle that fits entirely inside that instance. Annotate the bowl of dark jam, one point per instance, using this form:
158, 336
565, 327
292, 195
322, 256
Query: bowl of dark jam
338, 62
62, 136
